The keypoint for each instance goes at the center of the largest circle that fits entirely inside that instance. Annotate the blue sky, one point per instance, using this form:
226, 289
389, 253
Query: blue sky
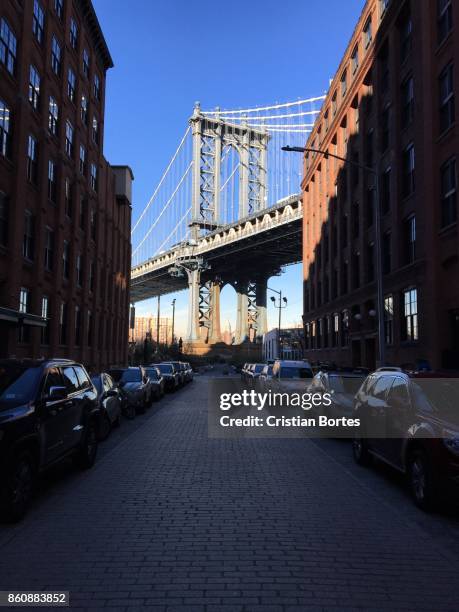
170, 53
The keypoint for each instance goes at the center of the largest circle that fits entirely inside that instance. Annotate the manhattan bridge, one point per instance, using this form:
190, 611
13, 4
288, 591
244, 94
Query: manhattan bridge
227, 210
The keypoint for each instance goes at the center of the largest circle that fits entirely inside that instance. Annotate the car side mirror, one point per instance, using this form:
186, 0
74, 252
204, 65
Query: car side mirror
56, 393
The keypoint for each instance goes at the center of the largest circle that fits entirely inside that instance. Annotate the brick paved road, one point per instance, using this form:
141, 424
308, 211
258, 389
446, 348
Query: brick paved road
170, 520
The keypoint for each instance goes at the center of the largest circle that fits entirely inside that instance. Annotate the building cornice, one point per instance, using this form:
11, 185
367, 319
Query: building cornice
92, 22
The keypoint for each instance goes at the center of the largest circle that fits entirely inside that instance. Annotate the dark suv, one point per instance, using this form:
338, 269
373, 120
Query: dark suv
48, 411
411, 422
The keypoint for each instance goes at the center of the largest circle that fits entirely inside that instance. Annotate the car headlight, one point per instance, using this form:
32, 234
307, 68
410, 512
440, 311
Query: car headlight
451, 441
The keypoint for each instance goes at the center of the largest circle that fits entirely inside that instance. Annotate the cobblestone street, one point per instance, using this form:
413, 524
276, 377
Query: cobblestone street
171, 520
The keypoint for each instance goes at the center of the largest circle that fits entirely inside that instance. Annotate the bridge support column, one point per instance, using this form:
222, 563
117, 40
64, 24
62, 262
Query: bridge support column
242, 321
262, 317
215, 330
193, 306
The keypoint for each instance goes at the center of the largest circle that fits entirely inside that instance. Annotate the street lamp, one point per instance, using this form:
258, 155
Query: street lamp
378, 245
173, 321
282, 304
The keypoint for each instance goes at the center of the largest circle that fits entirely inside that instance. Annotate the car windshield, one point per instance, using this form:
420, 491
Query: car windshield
165, 368
152, 373
294, 372
116, 374
440, 395
130, 376
18, 384
346, 384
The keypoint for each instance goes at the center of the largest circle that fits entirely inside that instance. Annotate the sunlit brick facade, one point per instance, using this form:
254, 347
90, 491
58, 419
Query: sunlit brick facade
392, 107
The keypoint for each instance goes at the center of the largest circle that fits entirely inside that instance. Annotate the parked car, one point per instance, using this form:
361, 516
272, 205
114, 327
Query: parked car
290, 375
156, 381
110, 403
188, 371
254, 372
135, 386
410, 421
170, 375
246, 371
342, 385
180, 372
266, 375
48, 411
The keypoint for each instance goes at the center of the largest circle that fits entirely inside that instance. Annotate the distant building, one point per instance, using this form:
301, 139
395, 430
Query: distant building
65, 213
146, 327
291, 344
392, 106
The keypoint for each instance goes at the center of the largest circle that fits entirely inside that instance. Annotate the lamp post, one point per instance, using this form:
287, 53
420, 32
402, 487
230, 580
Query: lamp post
378, 245
173, 321
157, 326
282, 304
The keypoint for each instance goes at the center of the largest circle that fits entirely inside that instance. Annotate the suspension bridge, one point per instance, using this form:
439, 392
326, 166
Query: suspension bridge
227, 210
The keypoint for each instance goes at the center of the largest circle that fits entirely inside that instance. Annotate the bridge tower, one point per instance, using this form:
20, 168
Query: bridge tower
211, 135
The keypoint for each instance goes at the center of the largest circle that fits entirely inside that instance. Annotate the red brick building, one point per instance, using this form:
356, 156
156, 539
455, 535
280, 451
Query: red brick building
64, 211
391, 106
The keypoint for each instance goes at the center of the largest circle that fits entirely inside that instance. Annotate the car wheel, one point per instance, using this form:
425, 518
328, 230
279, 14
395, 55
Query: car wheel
360, 451
421, 481
130, 412
87, 454
118, 420
18, 487
104, 427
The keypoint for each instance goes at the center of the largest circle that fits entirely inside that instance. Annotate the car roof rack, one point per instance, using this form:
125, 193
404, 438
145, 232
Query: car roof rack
389, 369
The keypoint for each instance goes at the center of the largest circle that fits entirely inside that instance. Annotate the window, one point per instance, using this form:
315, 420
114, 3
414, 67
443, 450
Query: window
82, 160
408, 171
66, 260
355, 269
91, 276
387, 252
406, 37
59, 7
367, 33
370, 207
53, 115
447, 111
38, 21
385, 191
71, 84
355, 59
384, 4
96, 87
95, 130
385, 129
370, 261
49, 249
355, 220
63, 323
84, 109
73, 33
77, 325
335, 334
55, 56
334, 104
94, 179
86, 63
82, 212
369, 149
448, 192
68, 194
445, 19
409, 239
389, 319
93, 223
32, 159
24, 306
344, 328
384, 67
34, 87
28, 237
344, 277
407, 102
410, 315
344, 84
5, 130
52, 181
8, 47
4, 218
45, 313
69, 138
89, 329
79, 270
